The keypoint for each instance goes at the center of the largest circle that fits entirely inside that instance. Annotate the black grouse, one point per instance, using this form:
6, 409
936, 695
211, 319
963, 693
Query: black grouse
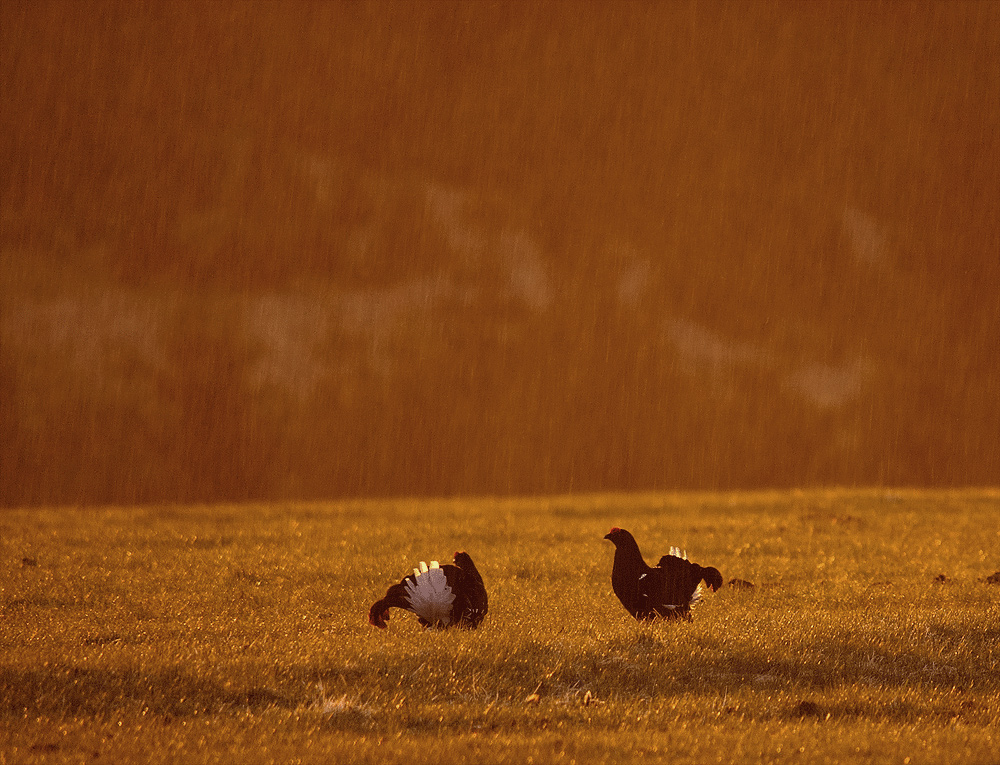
667, 591
440, 596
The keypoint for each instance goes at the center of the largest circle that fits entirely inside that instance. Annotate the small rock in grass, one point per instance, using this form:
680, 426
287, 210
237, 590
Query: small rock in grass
808, 709
993, 578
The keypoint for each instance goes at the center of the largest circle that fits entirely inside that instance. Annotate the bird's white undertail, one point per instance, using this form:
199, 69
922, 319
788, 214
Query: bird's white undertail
429, 594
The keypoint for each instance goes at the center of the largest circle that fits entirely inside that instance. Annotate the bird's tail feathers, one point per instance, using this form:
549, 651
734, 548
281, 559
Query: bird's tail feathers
430, 596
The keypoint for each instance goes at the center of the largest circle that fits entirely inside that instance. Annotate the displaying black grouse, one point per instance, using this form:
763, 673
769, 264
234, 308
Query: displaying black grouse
440, 596
667, 591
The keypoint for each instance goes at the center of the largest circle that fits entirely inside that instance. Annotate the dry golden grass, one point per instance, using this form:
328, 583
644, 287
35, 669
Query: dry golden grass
239, 634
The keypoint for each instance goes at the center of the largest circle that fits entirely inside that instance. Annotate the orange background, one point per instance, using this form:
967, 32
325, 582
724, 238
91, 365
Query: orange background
302, 250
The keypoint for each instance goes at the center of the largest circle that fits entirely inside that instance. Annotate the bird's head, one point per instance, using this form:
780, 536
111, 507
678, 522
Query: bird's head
712, 578
616, 535
464, 562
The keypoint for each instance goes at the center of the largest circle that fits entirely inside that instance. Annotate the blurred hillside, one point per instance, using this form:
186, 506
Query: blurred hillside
300, 250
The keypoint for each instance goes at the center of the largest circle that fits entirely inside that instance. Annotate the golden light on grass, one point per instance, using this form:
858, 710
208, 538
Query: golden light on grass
240, 632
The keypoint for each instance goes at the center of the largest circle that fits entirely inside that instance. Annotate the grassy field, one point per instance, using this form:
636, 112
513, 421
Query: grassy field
239, 633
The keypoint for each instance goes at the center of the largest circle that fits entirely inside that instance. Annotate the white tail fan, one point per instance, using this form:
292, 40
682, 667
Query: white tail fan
676, 552
429, 594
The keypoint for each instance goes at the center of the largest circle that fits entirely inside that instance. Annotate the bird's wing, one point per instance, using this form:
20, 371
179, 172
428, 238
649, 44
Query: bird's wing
680, 580
471, 603
650, 589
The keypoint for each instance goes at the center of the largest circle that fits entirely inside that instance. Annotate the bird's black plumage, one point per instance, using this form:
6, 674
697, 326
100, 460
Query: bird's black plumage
666, 591
460, 600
